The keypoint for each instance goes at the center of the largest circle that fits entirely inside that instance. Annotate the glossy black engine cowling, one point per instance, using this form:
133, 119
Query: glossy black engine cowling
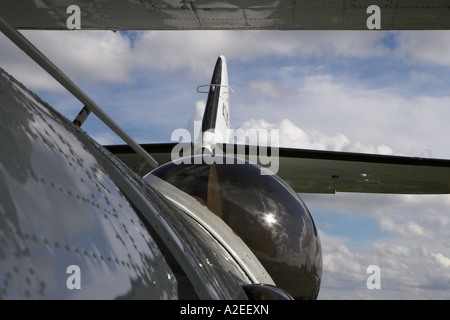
264, 211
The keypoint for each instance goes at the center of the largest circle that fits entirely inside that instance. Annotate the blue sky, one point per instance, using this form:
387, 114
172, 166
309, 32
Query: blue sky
370, 91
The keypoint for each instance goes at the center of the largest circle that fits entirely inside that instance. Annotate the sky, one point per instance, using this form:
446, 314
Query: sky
358, 91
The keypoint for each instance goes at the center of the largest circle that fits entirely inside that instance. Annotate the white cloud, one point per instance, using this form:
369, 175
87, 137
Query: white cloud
93, 56
443, 260
268, 88
86, 56
408, 271
420, 77
412, 248
16, 63
294, 137
408, 229
379, 117
193, 48
196, 116
424, 47
90, 56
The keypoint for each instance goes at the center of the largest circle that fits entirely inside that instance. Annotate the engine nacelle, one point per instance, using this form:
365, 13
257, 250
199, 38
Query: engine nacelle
263, 211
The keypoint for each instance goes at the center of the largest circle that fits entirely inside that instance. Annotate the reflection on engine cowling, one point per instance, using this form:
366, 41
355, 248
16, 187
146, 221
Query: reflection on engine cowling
264, 211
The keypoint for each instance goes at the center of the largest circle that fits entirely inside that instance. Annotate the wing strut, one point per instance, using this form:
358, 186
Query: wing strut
59, 76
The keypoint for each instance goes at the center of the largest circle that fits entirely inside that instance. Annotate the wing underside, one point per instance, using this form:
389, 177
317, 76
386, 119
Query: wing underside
227, 15
315, 171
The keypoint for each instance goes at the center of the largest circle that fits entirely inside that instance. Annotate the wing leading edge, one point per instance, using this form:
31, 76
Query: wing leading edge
315, 171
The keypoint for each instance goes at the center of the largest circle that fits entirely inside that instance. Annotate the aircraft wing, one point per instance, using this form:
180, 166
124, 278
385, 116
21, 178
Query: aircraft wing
230, 14
315, 171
